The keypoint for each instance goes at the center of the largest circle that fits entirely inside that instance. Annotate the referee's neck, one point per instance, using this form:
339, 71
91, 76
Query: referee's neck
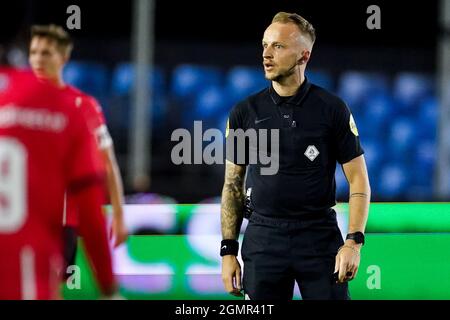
289, 86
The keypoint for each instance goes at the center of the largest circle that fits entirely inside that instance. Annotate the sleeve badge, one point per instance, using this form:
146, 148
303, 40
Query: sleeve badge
353, 127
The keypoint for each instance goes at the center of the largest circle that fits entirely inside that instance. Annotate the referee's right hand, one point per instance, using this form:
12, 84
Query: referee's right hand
231, 275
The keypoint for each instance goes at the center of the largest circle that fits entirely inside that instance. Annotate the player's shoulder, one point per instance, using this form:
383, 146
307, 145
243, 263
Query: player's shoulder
259, 96
81, 97
11, 71
17, 78
6, 71
327, 99
245, 105
326, 96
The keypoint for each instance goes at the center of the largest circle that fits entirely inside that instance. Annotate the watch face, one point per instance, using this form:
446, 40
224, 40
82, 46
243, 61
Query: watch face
358, 237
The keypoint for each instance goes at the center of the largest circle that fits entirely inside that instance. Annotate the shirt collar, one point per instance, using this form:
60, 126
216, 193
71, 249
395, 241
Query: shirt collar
295, 99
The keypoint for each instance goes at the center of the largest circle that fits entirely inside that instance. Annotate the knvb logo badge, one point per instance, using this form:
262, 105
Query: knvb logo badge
311, 153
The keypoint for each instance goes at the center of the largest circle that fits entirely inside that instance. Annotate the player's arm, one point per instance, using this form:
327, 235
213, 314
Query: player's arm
85, 186
232, 213
115, 190
113, 178
359, 199
232, 204
92, 228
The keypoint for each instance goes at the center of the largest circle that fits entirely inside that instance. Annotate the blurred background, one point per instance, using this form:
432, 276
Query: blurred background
180, 61
206, 57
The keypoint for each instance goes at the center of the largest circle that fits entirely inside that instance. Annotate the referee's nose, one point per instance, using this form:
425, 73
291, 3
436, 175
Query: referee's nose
267, 53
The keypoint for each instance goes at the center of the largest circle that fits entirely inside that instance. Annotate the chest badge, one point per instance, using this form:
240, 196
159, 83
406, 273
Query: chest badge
311, 152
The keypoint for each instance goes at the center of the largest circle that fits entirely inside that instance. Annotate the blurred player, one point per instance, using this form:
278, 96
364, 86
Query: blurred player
46, 149
50, 50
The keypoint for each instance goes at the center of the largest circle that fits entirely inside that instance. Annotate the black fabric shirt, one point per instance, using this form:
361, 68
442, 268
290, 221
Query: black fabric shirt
316, 130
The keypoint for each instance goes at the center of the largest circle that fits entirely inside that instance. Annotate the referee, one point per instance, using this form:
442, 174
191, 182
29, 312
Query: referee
292, 235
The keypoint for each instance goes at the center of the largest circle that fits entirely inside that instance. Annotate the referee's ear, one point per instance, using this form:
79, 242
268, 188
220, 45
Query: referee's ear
305, 57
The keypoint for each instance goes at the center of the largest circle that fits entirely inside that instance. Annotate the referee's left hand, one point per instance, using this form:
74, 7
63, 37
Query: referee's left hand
347, 261
231, 275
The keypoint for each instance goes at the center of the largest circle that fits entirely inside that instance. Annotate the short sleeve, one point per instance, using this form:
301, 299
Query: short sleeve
236, 151
103, 138
97, 123
346, 135
84, 164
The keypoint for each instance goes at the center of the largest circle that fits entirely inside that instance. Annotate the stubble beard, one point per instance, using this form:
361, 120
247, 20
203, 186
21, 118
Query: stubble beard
280, 75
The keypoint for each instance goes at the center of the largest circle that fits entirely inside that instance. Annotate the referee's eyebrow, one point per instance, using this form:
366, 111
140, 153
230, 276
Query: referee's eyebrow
273, 43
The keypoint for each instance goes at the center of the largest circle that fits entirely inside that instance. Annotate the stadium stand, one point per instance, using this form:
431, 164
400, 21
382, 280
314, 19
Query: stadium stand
388, 110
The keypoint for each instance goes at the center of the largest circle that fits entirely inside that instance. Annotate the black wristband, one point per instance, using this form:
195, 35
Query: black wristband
358, 237
229, 247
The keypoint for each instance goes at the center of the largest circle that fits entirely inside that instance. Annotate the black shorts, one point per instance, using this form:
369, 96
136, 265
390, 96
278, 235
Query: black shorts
70, 249
279, 252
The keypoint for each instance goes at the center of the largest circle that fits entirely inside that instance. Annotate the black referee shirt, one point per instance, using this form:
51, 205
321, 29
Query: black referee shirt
316, 130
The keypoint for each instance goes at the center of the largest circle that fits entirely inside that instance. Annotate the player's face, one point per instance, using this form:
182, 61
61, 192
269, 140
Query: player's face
45, 58
282, 49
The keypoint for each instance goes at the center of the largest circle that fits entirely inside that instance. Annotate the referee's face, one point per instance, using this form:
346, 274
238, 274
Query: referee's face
282, 47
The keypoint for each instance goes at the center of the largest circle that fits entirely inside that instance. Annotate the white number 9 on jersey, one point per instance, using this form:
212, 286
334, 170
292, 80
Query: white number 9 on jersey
13, 209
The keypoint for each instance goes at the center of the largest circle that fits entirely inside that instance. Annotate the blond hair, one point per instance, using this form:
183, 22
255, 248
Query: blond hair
305, 27
55, 33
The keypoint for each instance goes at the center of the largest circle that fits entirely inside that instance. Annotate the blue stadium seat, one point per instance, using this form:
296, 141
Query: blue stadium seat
428, 118
159, 110
210, 103
242, 81
374, 153
321, 78
354, 87
89, 77
188, 80
124, 75
402, 138
378, 111
425, 161
120, 112
410, 88
418, 193
393, 181
423, 171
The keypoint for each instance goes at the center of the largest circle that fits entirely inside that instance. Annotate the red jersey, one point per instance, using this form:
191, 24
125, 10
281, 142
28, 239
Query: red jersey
93, 114
96, 123
46, 149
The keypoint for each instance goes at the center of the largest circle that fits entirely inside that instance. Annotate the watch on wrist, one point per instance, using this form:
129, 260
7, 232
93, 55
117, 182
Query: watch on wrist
358, 237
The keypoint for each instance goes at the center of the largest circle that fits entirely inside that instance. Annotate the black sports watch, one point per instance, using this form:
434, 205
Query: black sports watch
358, 237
